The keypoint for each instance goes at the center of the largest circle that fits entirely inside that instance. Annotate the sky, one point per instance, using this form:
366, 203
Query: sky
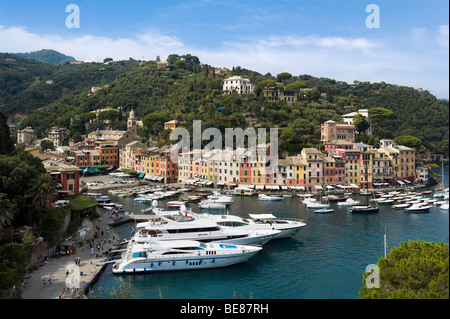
404, 42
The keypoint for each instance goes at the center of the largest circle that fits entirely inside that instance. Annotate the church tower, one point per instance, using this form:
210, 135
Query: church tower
131, 124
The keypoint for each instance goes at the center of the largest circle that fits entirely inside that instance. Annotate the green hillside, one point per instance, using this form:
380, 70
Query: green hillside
47, 56
191, 91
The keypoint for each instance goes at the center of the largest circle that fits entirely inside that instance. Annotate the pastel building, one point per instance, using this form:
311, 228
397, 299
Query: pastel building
331, 131
237, 85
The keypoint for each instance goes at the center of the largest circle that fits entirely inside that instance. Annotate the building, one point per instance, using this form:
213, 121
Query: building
422, 174
331, 131
26, 137
114, 137
109, 154
365, 165
383, 172
57, 135
66, 175
314, 160
132, 123
238, 85
348, 118
402, 159
171, 125
352, 159
163, 65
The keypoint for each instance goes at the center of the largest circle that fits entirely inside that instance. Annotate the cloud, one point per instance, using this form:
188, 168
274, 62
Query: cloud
407, 62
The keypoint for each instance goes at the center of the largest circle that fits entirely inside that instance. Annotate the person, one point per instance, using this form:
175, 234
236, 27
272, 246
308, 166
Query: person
50, 279
92, 250
44, 281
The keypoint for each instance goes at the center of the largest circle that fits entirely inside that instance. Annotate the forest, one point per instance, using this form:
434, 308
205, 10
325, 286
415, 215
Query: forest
189, 90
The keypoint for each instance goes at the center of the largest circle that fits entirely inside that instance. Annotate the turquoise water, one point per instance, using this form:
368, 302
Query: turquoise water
325, 259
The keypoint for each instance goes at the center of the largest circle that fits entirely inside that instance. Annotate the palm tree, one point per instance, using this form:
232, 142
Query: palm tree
6, 211
40, 191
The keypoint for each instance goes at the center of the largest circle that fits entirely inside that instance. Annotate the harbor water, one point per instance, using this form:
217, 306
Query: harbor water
326, 259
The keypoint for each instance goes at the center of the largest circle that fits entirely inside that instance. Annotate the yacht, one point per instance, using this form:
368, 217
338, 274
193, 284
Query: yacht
364, 209
269, 197
175, 204
317, 205
417, 208
155, 256
444, 206
400, 206
176, 226
219, 198
348, 202
287, 227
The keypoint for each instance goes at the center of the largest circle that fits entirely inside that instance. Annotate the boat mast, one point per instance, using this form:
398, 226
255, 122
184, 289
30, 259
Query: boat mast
385, 242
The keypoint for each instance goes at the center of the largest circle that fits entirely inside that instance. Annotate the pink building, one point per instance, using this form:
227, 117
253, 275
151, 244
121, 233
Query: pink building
330, 131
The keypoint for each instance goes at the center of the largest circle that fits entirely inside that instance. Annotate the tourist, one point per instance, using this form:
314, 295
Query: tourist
50, 279
44, 281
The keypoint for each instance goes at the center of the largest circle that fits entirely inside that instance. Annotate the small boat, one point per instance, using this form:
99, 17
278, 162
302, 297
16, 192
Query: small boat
364, 209
324, 211
317, 205
348, 202
386, 201
400, 206
175, 204
416, 208
426, 193
269, 197
444, 206
334, 198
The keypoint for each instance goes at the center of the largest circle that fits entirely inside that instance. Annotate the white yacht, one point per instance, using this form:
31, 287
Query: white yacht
154, 256
348, 202
287, 227
176, 226
417, 208
269, 197
318, 205
219, 198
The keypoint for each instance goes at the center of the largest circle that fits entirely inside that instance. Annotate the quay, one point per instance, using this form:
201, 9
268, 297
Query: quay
91, 266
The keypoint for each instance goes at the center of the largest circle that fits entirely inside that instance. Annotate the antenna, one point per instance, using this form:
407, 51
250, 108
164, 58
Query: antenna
385, 242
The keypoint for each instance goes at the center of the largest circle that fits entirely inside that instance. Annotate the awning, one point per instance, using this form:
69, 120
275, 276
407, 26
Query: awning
400, 182
354, 186
329, 187
317, 187
259, 186
141, 175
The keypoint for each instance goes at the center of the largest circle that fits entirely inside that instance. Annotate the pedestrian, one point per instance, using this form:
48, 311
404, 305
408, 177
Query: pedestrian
44, 281
92, 250
50, 279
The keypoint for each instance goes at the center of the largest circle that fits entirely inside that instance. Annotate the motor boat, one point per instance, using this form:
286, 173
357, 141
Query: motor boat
416, 208
317, 205
217, 197
269, 197
155, 256
324, 211
287, 227
444, 206
400, 206
364, 209
348, 202
175, 204
174, 225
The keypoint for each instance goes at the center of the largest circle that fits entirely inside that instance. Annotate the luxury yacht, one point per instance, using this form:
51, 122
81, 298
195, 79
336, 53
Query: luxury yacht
173, 225
269, 197
287, 227
154, 256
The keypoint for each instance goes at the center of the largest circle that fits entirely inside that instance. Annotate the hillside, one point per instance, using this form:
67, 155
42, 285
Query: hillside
26, 84
190, 90
47, 56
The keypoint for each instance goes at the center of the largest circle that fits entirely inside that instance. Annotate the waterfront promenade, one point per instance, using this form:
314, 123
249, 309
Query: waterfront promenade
90, 265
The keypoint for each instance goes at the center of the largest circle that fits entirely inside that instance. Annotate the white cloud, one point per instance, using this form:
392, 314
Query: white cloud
341, 58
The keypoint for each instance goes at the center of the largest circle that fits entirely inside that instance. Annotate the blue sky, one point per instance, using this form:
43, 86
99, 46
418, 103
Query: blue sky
326, 38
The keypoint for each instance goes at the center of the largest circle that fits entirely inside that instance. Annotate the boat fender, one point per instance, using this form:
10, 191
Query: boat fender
173, 262
200, 261
134, 269
144, 269
159, 263
186, 261
151, 264
213, 260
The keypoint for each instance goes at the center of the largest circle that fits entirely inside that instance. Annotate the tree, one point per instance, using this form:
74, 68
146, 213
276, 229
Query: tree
283, 77
361, 124
6, 143
415, 270
6, 211
41, 191
329, 95
409, 141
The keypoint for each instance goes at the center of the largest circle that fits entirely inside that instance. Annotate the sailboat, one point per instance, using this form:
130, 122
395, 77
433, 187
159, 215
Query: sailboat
325, 206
